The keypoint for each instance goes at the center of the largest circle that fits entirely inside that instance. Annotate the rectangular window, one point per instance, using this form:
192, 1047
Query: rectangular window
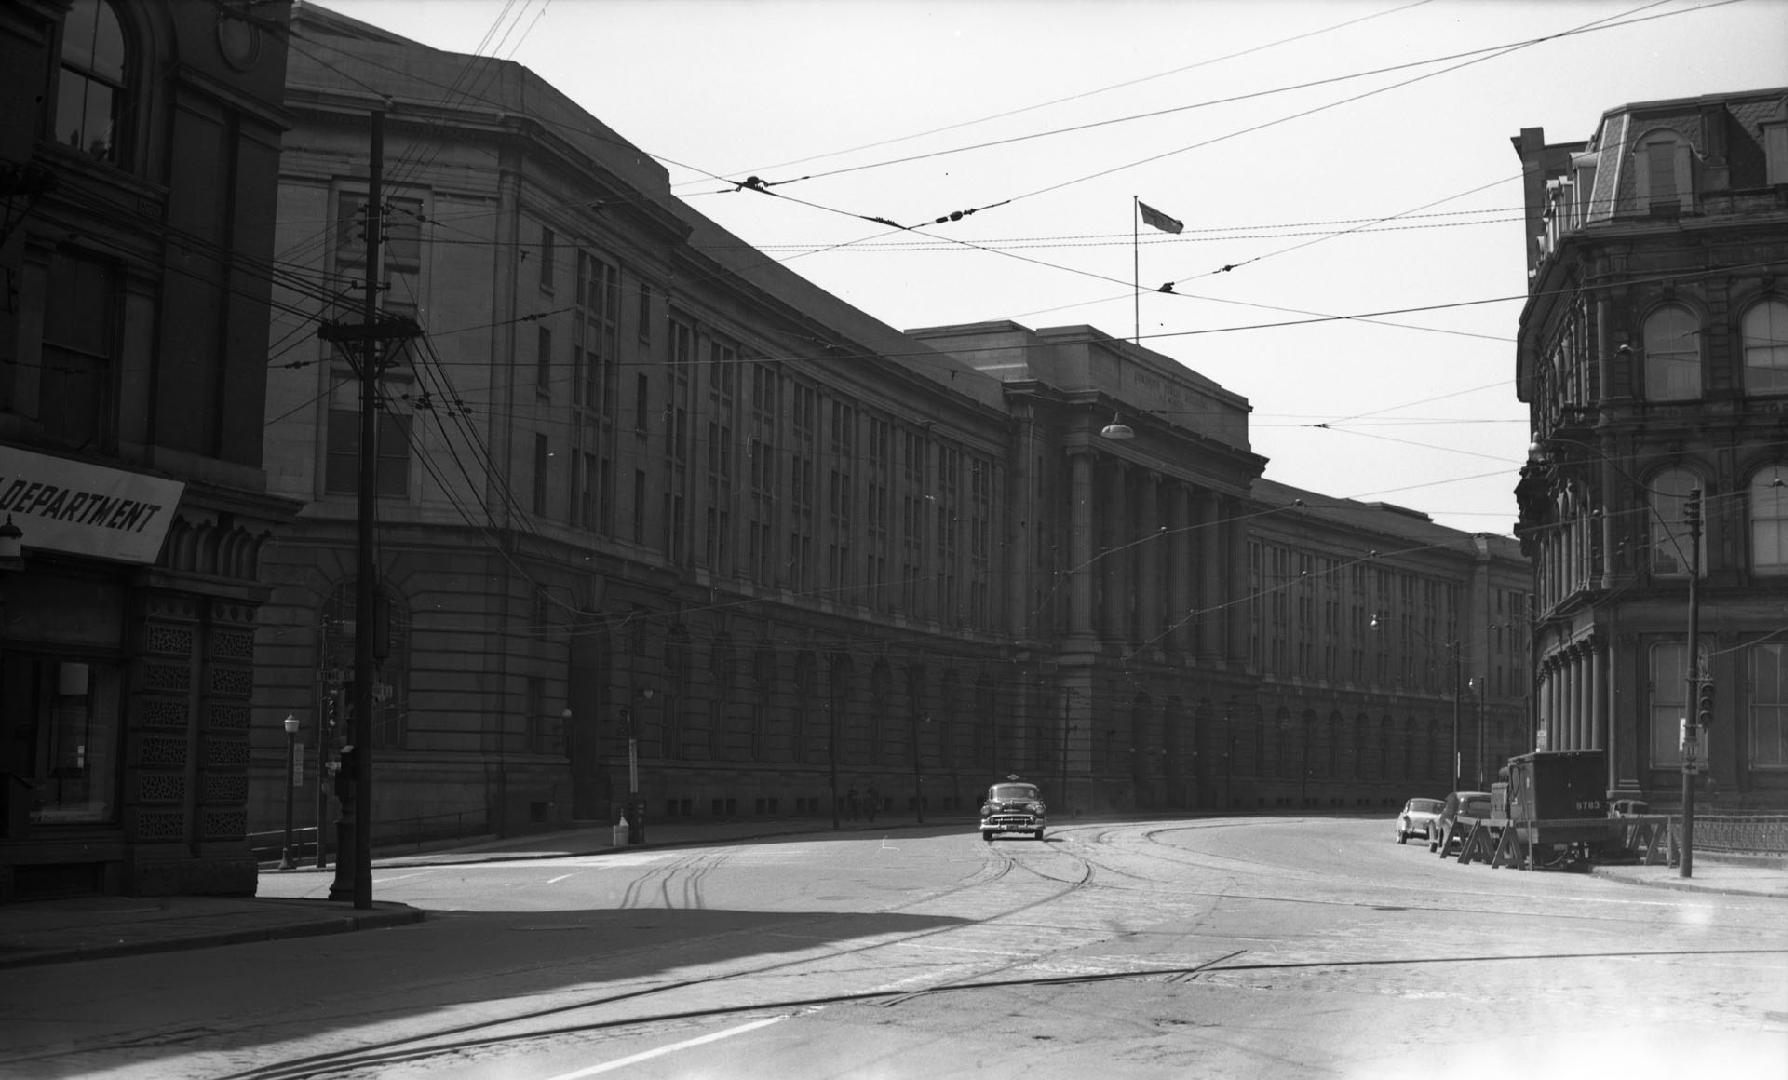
547, 255
645, 312
392, 468
1669, 703
542, 456
639, 506
543, 362
62, 738
1768, 685
75, 394
1775, 152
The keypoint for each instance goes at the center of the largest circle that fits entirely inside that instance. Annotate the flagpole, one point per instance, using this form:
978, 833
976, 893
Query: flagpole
1136, 262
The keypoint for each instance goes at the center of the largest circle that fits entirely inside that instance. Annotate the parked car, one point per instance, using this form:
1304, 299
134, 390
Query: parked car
1457, 814
1417, 818
1013, 806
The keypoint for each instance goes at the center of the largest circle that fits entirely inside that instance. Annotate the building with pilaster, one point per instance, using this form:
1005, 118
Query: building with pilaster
652, 506
138, 148
1653, 355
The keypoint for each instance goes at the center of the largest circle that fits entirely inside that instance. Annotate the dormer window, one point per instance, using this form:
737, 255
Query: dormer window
1664, 173
91, 97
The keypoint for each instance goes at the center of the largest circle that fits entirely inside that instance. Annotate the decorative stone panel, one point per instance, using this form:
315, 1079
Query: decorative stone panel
225, 788
158, 787
224, 825
228, 717
162, 712
167, 678
233, 645
160, 752
160, 825
164, 640
231, 681
226, 751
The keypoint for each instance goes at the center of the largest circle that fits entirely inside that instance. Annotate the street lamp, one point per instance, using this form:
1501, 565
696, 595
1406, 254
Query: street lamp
1453, 647
286, 861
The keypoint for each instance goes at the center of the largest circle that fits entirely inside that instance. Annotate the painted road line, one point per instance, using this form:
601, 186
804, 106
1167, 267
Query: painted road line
610, 1066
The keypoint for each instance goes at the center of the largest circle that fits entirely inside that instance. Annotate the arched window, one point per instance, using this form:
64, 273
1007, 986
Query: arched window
1669, 495
91, 92
1672, 354
1765, 331
1768, 504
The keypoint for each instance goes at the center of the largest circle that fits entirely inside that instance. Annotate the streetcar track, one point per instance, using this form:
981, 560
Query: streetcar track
341, 1064
682, 879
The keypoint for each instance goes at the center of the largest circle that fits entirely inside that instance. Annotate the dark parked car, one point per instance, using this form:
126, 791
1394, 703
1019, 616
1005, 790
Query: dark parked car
1457, 814
1417, 819
1013, 806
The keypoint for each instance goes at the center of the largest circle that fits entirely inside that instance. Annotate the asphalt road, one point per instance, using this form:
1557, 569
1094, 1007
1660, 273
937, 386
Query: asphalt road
1244, 947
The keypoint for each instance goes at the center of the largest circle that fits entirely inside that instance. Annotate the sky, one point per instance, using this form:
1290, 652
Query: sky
1351, 260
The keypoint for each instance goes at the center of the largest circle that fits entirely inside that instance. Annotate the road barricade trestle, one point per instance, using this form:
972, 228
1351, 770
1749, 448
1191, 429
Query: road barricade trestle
1654, 838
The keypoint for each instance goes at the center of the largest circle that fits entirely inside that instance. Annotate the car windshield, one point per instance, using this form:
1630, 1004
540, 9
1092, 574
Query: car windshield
1012, 792
1425, 806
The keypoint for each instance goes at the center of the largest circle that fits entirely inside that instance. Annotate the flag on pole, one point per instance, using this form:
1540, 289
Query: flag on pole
1154, 217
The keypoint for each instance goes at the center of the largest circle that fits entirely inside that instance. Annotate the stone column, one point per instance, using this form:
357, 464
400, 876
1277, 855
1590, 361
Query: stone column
1180, 567
1149, 549
1080, 544
1210, 586
1598, 694
1114, 623
1235, 543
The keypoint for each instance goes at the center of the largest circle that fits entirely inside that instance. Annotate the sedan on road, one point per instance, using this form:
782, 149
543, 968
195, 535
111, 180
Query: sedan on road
1013, 806
1458, 814
1417, 818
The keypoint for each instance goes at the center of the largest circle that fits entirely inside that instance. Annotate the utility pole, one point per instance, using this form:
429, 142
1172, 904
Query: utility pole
1691, 750
354, 867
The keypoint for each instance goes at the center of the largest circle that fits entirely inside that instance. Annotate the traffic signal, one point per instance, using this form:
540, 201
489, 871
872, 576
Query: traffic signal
1704, 703
626, 717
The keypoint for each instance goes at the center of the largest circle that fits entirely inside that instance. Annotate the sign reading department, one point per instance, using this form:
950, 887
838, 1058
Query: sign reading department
83, 509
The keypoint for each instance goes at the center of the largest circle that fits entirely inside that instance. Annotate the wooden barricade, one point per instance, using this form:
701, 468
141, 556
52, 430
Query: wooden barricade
1506, 842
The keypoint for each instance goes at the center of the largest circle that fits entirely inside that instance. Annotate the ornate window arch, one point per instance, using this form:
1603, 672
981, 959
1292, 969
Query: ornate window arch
93, 94
1672, 340
1764, 330
1664, 167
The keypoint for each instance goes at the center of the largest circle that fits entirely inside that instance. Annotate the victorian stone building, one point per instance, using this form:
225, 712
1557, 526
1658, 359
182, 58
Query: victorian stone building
1654, 358
138, 148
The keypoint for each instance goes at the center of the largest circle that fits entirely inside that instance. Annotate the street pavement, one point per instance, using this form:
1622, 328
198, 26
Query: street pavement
90, 927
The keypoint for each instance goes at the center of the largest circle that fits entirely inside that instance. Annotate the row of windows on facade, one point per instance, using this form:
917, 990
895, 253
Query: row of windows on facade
1671, 361
1573, 554
1667, 177
1761, 711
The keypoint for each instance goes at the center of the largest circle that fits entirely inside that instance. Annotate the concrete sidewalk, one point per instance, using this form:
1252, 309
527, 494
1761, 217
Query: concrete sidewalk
92, 927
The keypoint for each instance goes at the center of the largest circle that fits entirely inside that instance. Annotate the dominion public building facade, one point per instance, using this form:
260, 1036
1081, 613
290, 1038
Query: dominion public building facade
637, 480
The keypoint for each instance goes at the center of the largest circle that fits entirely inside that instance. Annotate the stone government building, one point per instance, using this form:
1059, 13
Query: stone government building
635, 468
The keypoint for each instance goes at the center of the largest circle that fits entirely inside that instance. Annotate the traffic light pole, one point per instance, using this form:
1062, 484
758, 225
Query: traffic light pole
1692, 733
